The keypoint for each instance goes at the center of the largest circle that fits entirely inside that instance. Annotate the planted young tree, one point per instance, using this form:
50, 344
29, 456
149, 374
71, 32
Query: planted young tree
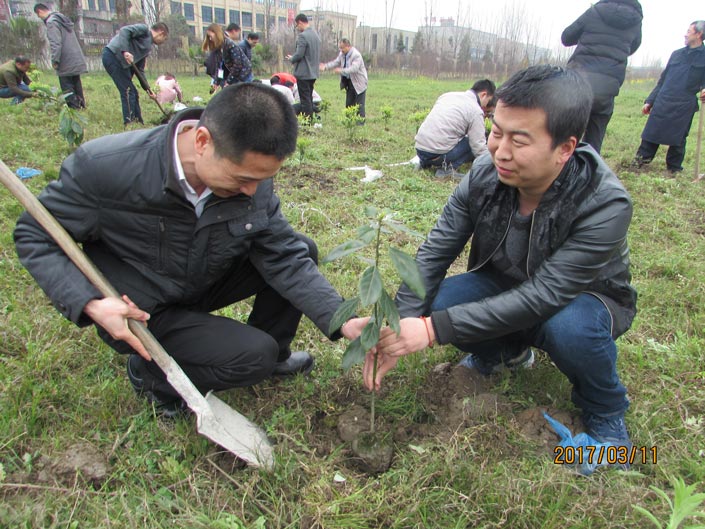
372, 294
72, 123
351, 119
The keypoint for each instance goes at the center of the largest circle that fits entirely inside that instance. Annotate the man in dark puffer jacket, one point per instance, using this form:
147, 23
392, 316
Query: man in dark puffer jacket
606, 35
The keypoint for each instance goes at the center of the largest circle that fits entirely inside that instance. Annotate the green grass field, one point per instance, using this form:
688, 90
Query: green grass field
63, 391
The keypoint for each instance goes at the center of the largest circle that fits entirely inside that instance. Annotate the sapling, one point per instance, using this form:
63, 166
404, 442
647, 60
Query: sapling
350, 119
71, 123
371, 290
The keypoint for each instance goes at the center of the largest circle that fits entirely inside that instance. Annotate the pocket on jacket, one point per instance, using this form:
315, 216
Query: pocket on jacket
248, 224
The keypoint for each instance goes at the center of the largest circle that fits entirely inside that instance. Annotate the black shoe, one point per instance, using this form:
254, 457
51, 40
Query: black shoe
299, 362
169, 408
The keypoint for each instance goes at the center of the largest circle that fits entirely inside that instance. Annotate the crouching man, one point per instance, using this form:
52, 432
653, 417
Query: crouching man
182, 219
549, 261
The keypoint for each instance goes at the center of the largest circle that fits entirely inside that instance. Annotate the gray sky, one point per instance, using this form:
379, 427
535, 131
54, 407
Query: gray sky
665, 21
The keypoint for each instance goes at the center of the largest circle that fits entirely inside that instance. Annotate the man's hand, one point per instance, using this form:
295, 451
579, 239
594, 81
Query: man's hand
152, 95
415, 335
352, 328
112, 315
385, 364
646, 109
129, 58
288, 57
702, 95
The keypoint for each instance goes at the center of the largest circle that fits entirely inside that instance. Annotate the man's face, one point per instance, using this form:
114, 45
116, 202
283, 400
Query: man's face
227, 178
41, 13
344, 47
233, 34
484, 98
159, 37
692, 37
23, 67
253, 42
521, 150
300, 26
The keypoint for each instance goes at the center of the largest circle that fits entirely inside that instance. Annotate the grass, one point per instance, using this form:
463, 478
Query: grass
60, 385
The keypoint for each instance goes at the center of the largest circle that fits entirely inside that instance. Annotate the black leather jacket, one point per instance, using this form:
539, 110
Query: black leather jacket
578, 243
119, 196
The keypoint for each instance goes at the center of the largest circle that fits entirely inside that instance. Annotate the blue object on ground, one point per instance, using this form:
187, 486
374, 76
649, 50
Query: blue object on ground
27, 172
581, 451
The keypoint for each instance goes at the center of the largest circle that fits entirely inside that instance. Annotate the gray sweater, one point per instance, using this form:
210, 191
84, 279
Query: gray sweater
137, 39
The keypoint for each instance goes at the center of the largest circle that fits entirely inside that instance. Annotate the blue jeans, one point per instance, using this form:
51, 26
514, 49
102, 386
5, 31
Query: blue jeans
122, 77
457, 156
578, 338
6, 93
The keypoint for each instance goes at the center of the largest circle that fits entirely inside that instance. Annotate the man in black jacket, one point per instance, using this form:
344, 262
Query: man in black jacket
549, 261
182, 220
606, 35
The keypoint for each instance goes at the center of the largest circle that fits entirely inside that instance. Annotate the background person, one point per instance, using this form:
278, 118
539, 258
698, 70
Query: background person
14, 82
673, 102
606, 35
66, 55
182, 219
549, 260
453, 133
353, 75
168, 89
231, 64
285, 89
132, 45
250, 42
233, 32
306, 61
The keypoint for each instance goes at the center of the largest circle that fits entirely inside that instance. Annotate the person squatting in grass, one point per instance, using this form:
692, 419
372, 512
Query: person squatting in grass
183, 220
226, 62
131, 46
14, 82
549, 260
453, 133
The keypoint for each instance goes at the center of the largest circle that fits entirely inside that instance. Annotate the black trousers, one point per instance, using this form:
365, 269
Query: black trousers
674, 155
72, 83
353, 98
216, 352
305, 87
600, 115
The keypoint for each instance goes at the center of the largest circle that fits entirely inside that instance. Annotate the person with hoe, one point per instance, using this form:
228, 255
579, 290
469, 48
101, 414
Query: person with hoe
353, 75
127, 50
547, 224
182, 220
66, 56
674, 101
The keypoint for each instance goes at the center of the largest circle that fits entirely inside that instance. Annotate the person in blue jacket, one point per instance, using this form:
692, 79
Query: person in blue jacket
673, 103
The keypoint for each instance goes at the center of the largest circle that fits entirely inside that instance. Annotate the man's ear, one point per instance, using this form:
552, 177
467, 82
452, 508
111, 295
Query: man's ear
203, 138
565, 150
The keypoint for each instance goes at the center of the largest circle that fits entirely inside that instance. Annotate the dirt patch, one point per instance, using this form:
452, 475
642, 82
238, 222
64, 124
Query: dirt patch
535, 428
81, 461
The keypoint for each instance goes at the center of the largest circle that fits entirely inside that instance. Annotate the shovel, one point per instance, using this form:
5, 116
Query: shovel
145, 86
214, 418
698, 145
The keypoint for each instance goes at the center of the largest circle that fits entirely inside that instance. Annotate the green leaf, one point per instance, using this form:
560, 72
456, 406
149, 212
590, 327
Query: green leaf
344, 249
370, 335
345, 311
390, 311
77, 128
650, 516
366, 234
354, 354
371, 212
370, 286
409, 271
398, 226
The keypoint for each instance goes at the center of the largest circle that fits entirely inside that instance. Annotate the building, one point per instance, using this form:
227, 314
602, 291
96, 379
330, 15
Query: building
331, 25
382, 40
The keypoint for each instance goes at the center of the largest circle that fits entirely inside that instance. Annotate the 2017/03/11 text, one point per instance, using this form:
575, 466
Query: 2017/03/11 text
611, 455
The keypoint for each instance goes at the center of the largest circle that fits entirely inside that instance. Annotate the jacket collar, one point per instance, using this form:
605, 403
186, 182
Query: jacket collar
172, 178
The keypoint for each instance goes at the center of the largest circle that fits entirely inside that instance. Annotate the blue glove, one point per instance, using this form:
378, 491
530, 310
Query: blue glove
27, 172
581, 451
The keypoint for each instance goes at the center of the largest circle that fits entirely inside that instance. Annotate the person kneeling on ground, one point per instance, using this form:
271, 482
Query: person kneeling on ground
14, 82
453, 133
549, 260
183, 220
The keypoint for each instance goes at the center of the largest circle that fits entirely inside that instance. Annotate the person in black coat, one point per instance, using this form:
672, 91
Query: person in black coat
606, 35
672, 105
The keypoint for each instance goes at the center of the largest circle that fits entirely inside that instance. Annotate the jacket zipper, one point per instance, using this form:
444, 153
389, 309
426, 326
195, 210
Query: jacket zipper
528, 246
161, 257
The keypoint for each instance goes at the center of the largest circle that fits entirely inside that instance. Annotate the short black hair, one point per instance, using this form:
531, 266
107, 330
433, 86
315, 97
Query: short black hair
301, 18
564, 95
161, 27
235, 117
484, 85
253, 35
21, 59
274, 80
40, 7
233, 27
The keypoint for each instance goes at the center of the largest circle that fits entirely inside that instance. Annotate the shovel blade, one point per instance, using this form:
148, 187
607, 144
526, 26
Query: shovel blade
234, 432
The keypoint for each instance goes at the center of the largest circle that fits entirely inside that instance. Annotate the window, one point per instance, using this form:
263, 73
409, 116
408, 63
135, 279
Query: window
282, 22
101, 5
111, 5
91, 5
219, 15
207, 13
235, 16
175, 8
188, 12
374, 42
192, 31
260, 20
246, 20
